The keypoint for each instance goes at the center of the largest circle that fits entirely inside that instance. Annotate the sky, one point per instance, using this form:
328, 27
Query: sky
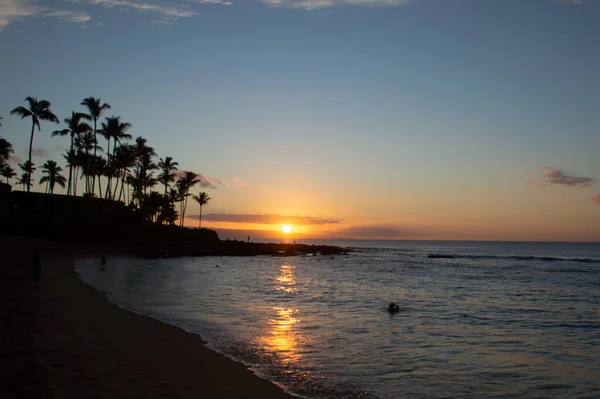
370, 119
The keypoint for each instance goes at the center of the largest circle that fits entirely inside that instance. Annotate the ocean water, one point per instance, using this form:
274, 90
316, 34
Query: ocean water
477, 319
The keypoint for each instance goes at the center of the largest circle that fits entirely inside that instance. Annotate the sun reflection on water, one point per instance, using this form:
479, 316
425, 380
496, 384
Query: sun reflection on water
281, 336
287, 279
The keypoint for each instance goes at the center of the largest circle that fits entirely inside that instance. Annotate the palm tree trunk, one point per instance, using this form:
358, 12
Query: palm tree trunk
99, 187
70, 167
30, 151
95, 147
200, 219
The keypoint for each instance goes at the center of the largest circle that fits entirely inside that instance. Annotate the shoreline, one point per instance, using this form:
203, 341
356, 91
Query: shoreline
64, 338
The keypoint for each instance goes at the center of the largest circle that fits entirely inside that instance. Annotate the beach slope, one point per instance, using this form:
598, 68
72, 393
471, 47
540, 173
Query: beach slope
64, 339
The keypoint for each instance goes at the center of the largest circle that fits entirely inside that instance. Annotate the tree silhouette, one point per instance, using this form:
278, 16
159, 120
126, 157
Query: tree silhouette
75, 127
5, 150
167, 175
202, 199
114, 129
184, 184
95, 110
8, 172
37, 111
28, 168
52, 176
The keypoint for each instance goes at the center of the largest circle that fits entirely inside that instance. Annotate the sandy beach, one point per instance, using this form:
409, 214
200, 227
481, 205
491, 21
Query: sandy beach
62, 338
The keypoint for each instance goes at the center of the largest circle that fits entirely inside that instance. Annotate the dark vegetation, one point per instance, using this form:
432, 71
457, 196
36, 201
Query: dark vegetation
119, 203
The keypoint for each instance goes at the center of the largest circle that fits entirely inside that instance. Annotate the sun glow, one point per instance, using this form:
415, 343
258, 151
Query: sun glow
286, 228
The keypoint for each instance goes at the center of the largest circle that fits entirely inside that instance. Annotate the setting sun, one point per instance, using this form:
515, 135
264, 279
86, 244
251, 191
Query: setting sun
286, 228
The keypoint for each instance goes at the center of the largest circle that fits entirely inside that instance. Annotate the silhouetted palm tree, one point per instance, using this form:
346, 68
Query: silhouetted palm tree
38, 110
23, 180
28, 168
5, 150
167, 168
202, 199
52, 176
124, 160
84, 144
184, 184
8, 172
114, 129
75, 127
95, 110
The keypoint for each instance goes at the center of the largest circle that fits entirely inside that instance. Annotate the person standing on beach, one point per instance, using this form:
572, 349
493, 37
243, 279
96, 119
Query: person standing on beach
36, 267
103, 263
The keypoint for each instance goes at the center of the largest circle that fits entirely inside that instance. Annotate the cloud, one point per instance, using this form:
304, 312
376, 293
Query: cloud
268, 219
560, 177
318, 4
37, 152
596, 199
13, 10
71, 16
205, 181
374, 232
15, 159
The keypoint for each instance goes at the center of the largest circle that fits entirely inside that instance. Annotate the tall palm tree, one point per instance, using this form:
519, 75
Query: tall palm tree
114, 129
167, 168
84, 144
202, 200
95, 109
52, 176
37, 111
124, 160
75, 127
184, 184
8, 172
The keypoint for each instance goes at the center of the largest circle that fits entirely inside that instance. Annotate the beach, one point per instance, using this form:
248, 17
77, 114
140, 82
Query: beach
62, 338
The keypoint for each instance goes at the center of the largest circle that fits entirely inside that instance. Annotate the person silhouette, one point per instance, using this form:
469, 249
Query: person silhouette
393, 308
103, 263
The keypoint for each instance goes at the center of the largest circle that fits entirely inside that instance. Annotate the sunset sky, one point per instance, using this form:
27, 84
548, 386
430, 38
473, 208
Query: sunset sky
375, 119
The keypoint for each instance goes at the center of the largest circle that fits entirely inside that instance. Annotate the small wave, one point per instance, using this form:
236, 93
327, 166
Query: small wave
514, 257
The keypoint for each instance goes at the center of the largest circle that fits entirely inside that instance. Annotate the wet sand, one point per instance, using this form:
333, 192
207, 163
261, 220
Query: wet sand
62, 338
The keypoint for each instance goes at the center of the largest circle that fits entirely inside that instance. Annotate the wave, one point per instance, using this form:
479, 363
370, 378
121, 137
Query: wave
511, 257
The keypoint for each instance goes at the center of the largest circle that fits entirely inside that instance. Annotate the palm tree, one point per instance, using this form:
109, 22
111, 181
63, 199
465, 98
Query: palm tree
166, 176
75, 127
84, 144
114, 129
23, 180
52, 176
202, 200
5, 150
95, 111
124, 160
8, 172
38, 110
28, 168
184, 184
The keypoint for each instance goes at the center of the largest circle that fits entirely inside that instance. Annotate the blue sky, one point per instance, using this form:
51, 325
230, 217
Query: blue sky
400, 119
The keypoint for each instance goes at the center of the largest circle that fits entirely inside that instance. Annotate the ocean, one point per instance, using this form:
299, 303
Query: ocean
477, 319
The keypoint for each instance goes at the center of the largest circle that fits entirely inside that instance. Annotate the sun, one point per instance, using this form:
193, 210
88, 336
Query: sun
286, 228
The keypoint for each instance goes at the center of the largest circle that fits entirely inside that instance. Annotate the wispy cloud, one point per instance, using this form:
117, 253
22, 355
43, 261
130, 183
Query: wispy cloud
205, 181
373, 232
318, 4
37, 152
560, 177
268, 219
15, 159
11, 10
596, 199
